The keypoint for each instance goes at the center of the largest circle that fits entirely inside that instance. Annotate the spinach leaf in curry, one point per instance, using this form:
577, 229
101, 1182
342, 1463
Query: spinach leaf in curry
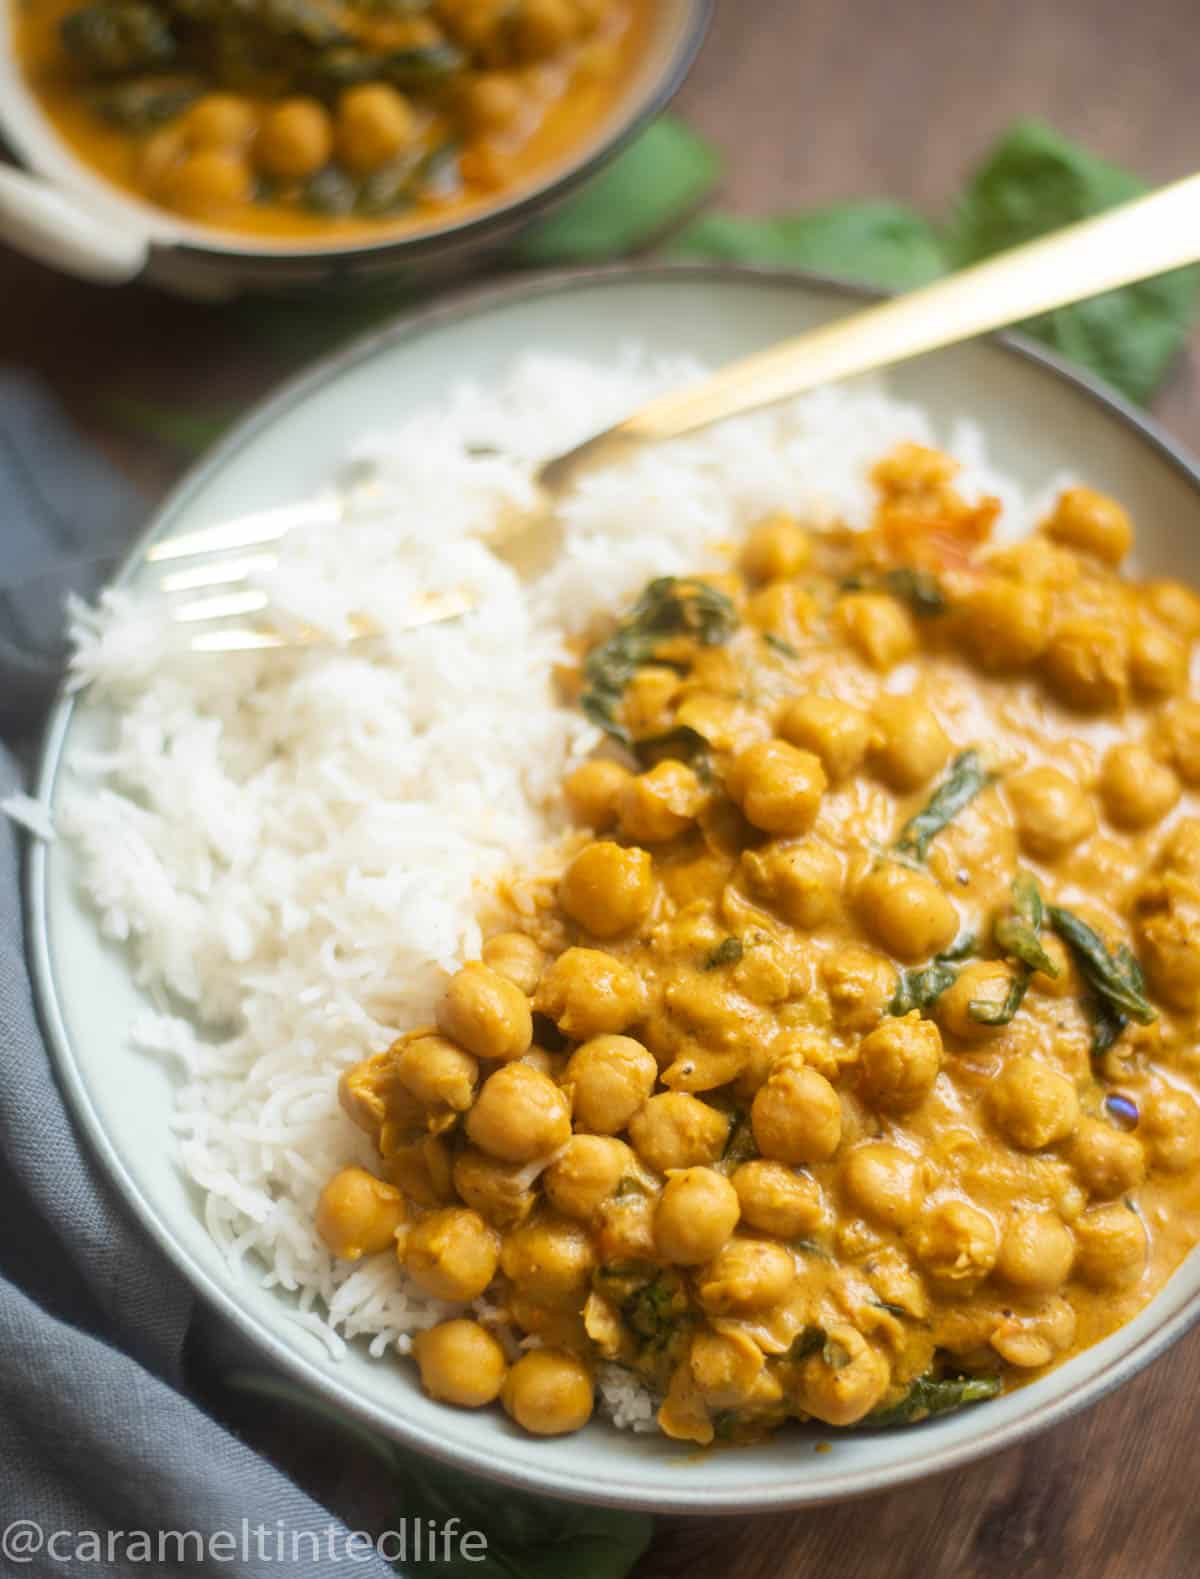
669, 606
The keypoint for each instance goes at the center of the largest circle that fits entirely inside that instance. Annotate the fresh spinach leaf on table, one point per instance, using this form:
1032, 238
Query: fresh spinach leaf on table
1035, 181
875, 243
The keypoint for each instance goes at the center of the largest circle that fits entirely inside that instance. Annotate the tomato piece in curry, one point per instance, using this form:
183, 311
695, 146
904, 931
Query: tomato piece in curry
842, 1066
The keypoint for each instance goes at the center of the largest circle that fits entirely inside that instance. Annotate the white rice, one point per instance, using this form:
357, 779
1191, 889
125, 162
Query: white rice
292, 845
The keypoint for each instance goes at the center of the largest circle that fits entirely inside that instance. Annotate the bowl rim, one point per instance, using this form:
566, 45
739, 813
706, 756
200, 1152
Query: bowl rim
455, 308
165, 232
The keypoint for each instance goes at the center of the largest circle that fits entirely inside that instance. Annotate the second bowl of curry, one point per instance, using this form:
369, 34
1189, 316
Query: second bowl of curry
307, 141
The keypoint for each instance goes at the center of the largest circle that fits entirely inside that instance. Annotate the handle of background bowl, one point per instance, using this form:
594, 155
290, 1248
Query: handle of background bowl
52, 227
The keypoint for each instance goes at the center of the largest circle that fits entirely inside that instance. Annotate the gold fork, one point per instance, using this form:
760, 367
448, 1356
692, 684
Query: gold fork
1149, 236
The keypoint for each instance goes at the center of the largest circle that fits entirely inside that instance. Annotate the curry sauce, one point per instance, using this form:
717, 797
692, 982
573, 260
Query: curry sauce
842, 1065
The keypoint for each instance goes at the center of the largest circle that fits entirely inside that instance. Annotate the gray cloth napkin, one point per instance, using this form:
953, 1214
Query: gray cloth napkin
96, 1431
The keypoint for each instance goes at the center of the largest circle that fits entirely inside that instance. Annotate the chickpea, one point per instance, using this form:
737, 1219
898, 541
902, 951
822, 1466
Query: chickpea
860, 984
517, 958
587, 1174
1110, 1246
612, 1076
1179, 732
1066, 983
438, 1073
778, 787
1170, 950
544, 27
844, 1380
835, 731
209, 183
550, 1260
1108, 1161
460, 1363
375, 123
1158, 661
494, 102
548, 1392
782, 608
908, 912
884, 1183
422, 1169
982, 981
219, 120
498, 1191
777, 547
1175, 604
1180, 853
1036, 1252
661, 804
648, 697
479, 24
588, 993
911, 746
519, 1115
358, 1215
899, 1062
677, 1130
1053, 815
158, 156
877, 628
725, 1367
373, 1096
1006, 623
1092, 523
1170, 1129
1137, 790
696, 1213
452, 1254
796, 1115
1087, 664
607, 889
594, 792
296, 140
746, 1275
1032, 1340
801, 881
485, 1013
1031, 1104
774, 1200
957, 1243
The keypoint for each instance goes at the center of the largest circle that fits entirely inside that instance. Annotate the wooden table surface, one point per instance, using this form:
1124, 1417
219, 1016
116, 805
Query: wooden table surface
812, 101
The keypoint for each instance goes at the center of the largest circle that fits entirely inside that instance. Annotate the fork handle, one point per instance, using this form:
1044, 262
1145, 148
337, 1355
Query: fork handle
1133, 242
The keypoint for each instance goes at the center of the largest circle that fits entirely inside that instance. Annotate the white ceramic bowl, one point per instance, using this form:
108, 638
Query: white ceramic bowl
64, 214
1038, 418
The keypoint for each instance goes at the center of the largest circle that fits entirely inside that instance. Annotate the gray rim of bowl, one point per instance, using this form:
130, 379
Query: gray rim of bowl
503, 217
455, 309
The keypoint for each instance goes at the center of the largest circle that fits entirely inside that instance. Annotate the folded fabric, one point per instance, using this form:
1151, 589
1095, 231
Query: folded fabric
98, 1432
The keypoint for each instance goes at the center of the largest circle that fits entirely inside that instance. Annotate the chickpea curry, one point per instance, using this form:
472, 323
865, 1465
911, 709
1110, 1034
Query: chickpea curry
842, 1066
329, 120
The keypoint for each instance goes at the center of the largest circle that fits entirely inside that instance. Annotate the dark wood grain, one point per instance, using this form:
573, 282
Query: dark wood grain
812, 101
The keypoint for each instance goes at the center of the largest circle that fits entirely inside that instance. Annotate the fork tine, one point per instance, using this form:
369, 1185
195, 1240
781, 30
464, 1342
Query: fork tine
232, 639
432, 608
220, 607
225, 572
247, 531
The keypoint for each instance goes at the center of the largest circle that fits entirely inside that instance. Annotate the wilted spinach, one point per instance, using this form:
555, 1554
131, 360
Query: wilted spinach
1115, 979
967, 776
670, 606
934, 1395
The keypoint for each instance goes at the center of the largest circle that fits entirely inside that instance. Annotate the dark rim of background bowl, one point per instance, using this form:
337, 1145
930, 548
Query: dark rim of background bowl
502, 217
455, 309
